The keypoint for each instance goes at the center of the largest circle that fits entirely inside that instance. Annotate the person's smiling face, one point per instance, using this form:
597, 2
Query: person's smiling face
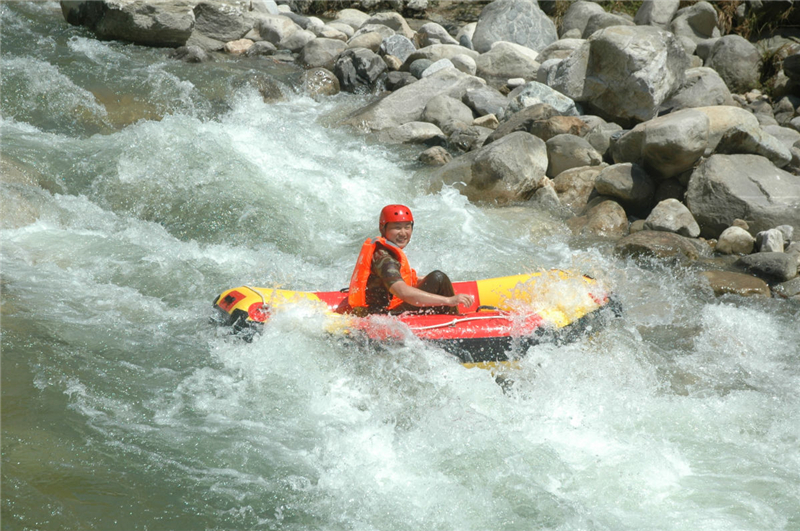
398, 232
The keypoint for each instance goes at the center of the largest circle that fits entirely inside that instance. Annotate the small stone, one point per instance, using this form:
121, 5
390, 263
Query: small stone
489, 121
770, 241
735, 240
238, 47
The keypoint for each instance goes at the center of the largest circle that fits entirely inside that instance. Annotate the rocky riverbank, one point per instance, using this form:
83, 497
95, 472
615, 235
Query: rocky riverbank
649, 130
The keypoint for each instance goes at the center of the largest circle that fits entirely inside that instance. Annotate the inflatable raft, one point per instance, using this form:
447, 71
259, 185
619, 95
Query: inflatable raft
509, 314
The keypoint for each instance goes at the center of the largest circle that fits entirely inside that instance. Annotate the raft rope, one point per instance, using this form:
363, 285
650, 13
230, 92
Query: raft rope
263, 299
454, 322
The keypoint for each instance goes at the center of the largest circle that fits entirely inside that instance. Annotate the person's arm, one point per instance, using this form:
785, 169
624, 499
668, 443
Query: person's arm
417, 297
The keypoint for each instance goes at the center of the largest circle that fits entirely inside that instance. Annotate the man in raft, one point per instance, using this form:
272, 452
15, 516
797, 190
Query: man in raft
383, 281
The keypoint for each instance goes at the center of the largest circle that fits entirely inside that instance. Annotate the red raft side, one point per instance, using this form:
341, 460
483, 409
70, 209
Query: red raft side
472, 325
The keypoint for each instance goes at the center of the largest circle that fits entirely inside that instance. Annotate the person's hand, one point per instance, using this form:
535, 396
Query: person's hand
462, 299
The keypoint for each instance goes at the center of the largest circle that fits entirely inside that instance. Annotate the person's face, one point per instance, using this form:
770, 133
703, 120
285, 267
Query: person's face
398, 232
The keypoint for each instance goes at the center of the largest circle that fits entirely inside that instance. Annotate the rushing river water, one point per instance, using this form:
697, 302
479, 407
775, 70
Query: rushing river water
138, 187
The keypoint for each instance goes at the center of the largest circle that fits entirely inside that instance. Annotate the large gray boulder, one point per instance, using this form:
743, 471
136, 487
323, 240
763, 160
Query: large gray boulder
443, 111
737, 62
604, 20
577, 16
322, 52
666, 146
672, 216
510, 169
517, 21
567, 151
168, 24
398, 46
627, 183
486, 100
777, 266
697, 22
656, 13
623, 73
660, 244
728, 187
507, 60
407, 104
223, 22
703, 87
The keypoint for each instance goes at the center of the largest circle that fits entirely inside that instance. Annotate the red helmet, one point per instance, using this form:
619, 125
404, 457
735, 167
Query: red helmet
392, 213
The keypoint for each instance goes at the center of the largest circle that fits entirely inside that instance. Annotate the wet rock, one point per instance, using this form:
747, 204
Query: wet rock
359, 70
737, 61
319, 82
730, 283
606, 219
413, 133
167, 24
727, 187
322, 52
769, 241
777, 266
435, 156
735, 240
190, 54
623, 73
506, 60
576, 187
569, 151
518, 21
510, 169
790, 289
261, 48
672, 216
224, 22
659, 244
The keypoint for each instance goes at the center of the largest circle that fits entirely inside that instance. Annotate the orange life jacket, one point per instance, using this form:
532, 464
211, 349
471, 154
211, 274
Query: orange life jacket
357, 296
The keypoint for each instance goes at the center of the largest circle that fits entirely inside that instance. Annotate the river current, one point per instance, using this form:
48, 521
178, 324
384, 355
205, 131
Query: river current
136, 188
